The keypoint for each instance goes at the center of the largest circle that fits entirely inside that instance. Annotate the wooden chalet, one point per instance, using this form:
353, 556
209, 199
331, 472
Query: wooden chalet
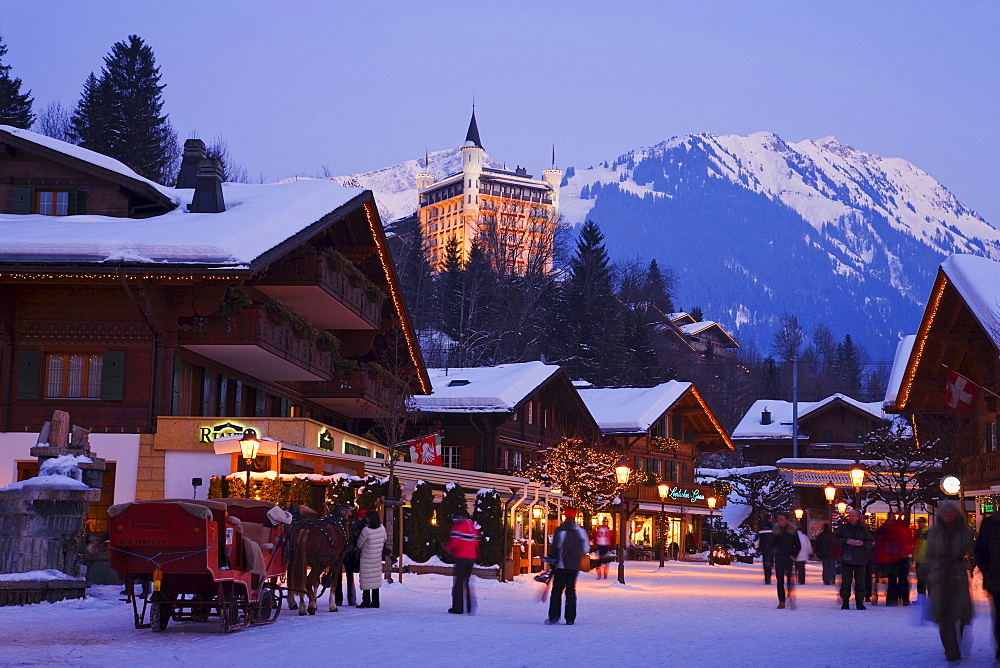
685, 337
959, 331
162, 318
497, 419
661, 430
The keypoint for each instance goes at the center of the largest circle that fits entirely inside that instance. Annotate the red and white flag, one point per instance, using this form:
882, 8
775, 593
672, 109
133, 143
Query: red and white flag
426, 450
960, 393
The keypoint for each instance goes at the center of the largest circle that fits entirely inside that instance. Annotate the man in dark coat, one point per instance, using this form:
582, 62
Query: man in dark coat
785, 546
988, 562
826, 552
764, 547
569, 544
854, 540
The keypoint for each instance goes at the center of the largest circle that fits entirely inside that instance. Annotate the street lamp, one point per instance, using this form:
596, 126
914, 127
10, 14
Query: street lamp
663, 488
841, 508
831, 493
711, 529
951, 485
857, 474
249, 445
622, 472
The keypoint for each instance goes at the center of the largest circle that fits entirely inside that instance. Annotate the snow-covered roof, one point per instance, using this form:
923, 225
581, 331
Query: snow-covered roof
899, 362
750, 426
257, 218
631, 410
485, 389
977, 280
86, 155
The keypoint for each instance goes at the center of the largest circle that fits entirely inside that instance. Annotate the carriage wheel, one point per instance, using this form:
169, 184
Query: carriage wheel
269, 605
233, 611
160, 610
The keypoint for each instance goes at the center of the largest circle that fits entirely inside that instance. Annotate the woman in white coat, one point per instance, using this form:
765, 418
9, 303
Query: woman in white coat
803, 556
370, 542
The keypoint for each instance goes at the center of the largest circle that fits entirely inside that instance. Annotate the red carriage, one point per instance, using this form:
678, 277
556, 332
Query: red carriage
194, 560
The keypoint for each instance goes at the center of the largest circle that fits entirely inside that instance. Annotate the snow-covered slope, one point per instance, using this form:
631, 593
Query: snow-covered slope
755, 227
395, 187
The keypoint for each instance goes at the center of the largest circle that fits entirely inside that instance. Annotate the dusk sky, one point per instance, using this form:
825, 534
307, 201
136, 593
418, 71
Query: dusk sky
296, 86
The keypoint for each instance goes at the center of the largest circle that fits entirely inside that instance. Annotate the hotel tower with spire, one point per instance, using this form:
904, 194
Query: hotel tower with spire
510, 213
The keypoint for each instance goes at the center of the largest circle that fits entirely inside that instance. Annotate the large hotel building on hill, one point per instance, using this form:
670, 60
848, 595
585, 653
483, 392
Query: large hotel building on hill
511, 213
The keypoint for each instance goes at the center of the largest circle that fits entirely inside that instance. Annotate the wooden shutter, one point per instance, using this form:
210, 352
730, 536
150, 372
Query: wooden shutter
28, 372
113, 376
22, 200
77, 202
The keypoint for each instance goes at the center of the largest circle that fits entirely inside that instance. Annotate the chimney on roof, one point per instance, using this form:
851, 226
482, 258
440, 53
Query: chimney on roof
194, 153
765, 416
208, 188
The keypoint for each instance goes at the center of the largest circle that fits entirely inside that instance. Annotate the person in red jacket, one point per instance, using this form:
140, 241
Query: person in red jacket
463, 545
602, 538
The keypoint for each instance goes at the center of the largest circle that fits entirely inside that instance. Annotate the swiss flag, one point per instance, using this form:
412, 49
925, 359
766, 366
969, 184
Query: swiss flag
959, 394
426, 450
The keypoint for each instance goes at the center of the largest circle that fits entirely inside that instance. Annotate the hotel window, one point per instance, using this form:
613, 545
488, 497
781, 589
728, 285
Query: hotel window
653, 466
451, 456
73, 376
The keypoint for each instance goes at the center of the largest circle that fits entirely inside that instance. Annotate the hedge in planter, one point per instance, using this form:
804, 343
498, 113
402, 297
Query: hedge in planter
488, 514
452, 502
419, 533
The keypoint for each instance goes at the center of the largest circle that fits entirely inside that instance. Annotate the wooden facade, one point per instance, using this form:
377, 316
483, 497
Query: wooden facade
959, 331
300, 331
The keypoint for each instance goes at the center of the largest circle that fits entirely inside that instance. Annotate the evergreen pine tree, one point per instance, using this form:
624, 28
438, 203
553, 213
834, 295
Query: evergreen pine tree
420, 533
448, 286
142, 138
416, 278
657, 289
488, 515
697, 314
90, 124
587, 325
15, 106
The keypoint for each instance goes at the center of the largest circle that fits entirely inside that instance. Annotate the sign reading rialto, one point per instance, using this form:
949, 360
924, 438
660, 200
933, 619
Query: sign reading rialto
686, 494
209, 434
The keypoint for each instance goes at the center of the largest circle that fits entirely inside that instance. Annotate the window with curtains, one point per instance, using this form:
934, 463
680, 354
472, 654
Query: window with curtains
73, 376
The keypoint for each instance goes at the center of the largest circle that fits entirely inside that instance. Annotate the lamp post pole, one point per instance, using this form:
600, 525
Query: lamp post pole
622, 472
711, 530
663, 488
249, 445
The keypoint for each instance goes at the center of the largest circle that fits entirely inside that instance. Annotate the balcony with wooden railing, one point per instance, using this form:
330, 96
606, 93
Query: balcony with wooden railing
982, 470
258, 344
357, 394
312, 286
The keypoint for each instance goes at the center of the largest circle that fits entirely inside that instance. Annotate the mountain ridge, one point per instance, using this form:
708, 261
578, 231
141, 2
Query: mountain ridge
755, 227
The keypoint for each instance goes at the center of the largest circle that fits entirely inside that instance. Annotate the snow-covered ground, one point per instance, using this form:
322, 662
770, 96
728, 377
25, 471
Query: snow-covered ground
684, 614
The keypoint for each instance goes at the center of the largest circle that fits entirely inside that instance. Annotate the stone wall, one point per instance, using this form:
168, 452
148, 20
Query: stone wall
41, 528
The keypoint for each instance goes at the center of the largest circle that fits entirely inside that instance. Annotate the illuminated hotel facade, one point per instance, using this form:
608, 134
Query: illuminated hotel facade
510, 213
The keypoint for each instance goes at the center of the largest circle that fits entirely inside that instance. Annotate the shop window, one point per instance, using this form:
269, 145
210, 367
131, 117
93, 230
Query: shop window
354, 449
73, 376
451, 456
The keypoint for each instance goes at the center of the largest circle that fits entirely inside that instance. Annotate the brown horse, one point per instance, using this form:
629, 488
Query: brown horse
318, 546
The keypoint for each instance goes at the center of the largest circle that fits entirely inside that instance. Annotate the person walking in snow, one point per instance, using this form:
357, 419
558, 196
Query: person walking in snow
825, 550
370, 542
854, 540
802, 557
764, 534
988, 562
785, 547
602, 539
949, 542
569, 544
463, 545
919, 550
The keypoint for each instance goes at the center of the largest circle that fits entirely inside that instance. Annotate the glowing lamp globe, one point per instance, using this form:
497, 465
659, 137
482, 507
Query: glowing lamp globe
951, 485
622, 471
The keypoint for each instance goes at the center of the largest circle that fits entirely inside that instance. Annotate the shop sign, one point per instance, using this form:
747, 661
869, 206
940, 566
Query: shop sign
686, 494
209, 434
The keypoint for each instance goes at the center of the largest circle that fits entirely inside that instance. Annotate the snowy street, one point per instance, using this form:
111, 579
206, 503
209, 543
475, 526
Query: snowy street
684, 614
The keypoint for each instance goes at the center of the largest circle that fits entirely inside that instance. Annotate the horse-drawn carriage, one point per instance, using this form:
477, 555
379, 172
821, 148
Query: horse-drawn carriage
193, 560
